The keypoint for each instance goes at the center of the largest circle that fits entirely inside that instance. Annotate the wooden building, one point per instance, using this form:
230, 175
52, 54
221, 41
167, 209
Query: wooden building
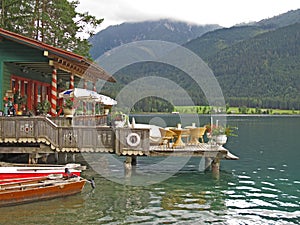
34, 71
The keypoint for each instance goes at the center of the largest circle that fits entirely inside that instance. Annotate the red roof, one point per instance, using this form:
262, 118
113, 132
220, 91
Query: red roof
39, 45
54, 50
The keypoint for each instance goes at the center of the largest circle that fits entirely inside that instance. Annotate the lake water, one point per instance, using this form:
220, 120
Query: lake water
262, 187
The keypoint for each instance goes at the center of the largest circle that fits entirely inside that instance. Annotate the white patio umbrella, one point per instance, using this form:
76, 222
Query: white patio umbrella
105, 100
87, 96
79, 93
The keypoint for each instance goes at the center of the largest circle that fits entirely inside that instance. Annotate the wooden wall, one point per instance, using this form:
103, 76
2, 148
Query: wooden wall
15, 52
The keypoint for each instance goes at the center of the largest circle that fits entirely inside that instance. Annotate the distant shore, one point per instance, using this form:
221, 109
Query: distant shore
234, 110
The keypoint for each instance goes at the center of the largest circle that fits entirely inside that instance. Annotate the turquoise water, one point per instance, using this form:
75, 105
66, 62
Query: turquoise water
263, 187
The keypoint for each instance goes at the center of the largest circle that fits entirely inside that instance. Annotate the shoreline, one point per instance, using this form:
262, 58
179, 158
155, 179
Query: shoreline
216, 114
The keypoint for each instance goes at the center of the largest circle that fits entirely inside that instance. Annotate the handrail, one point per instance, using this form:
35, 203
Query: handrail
50, 121
72, 138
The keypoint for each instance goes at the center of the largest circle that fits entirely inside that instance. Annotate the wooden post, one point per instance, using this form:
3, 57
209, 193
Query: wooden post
215, 167
71, 86
53, 93
45, 158
66, 158
35, 94
29, 96
56, 156
84, 103
208, 162
73, 157
94, 104
133, 160
128, 166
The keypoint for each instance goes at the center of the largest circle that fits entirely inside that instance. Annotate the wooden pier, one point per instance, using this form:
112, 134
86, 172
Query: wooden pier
40, 134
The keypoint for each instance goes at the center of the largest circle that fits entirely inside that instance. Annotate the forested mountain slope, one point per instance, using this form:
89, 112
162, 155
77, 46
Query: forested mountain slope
264, 70
212, 42
164, 30
257, 65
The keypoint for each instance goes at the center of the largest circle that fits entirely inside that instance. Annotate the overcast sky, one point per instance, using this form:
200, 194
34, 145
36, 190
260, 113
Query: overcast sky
223, 12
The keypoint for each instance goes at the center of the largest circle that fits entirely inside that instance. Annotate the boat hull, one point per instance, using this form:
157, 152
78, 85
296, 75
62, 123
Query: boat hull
26, 194
15, 173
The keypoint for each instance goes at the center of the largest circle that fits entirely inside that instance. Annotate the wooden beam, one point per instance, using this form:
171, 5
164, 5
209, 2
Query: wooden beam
82, 69
25, 149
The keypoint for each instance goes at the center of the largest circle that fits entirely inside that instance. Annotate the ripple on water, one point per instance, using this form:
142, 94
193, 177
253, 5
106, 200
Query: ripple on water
239, 203
286, 204
250, 182
268, 183
248, 188
243, 177
271, 189
262, 216
264, 195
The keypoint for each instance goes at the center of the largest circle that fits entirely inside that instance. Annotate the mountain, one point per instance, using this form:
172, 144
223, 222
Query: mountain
263, 70
257, 65
164, 30
281, 20
212, 42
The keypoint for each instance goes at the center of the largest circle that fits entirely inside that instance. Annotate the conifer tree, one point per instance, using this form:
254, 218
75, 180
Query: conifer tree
55, 22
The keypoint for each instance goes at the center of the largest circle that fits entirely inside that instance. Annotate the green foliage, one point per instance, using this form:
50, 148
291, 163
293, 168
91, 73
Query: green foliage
68, 103
44, 107
54, 22
220, 130
212, 42
265, 69
165, 30
153, 104
235, 110
257, 67
139, 70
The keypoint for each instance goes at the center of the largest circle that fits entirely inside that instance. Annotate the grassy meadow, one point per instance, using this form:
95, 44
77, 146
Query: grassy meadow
234, 110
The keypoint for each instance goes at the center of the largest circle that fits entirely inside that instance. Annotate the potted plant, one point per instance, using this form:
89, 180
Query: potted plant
68, 107
220, 133
43, 107
209, 128
118, 119
20, 103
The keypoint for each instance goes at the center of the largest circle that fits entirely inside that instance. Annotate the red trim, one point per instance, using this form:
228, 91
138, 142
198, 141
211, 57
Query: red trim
29, 95
53, 93
31, 98
35, 94
22, 87
71, 86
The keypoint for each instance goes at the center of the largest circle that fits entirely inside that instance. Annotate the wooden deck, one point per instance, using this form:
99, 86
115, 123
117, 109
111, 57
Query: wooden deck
49, 135
43, 134
201, 150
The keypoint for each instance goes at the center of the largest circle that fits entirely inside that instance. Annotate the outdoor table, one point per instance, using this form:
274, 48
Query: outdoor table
194, 136
179, 133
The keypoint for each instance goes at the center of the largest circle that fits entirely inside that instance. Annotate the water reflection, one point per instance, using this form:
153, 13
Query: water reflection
48, 212
207, 195
261, 188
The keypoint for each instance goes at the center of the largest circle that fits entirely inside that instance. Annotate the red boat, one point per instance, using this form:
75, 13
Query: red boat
18, 172
39, 189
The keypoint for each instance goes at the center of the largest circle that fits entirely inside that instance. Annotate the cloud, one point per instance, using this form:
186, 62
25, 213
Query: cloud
225, 13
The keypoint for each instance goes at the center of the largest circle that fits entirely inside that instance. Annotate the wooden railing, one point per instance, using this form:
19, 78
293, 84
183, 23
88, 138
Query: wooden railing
87, 120
132, 141
66, 135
